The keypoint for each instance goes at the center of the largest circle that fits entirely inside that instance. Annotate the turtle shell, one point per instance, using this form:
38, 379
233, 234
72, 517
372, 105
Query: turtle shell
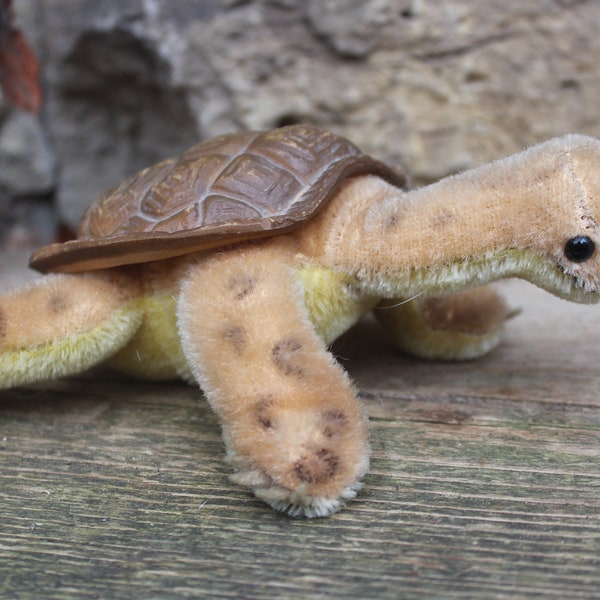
228, 189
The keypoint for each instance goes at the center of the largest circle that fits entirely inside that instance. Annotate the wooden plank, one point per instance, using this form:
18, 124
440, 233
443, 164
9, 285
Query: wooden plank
485, 482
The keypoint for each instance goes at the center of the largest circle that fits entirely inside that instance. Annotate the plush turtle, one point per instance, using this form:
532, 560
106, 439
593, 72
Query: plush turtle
237, 264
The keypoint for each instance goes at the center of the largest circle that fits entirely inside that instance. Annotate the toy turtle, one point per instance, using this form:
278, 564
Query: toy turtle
236, 265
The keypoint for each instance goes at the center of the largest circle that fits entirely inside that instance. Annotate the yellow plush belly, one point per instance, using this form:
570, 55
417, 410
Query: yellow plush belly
333, 299
154, 352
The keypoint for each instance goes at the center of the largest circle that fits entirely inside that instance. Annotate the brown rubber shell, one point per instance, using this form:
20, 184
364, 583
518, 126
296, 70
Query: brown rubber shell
231, 188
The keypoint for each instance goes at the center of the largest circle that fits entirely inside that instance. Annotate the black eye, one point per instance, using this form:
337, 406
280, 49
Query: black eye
579, 249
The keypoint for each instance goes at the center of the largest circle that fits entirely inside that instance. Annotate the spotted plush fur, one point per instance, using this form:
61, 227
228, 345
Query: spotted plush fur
250, 323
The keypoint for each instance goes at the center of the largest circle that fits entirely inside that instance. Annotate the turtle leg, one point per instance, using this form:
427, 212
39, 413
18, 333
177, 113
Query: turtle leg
294, 429
64, 324
459, 326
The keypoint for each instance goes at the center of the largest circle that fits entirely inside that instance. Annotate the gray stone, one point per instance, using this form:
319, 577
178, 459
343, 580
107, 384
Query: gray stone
115, 103
26, 161
435, 87
355, 37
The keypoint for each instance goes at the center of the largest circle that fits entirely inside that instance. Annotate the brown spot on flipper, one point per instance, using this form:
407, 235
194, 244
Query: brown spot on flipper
236, 337
466, 312
391, 221
285, 355
3, 325
242, 285
263, 413
441, 219
335, 421
58, 303
318, 467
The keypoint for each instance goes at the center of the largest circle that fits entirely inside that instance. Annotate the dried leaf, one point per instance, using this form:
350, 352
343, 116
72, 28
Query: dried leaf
19, 67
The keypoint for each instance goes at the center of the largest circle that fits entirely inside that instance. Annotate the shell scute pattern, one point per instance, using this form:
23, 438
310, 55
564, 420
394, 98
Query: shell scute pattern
238, 186
218, 209
190, 179
187, 218
254, 180
247, 176
118, 211
303, 153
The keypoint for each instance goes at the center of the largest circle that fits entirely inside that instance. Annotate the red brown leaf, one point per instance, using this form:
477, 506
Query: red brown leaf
19, 67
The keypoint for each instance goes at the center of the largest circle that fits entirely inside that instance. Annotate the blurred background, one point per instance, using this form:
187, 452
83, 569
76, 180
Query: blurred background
430, 86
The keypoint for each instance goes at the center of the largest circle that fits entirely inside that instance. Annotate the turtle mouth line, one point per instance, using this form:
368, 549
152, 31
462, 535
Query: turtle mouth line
581, 285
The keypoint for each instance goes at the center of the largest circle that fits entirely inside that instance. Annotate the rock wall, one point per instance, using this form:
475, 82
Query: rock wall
432, 86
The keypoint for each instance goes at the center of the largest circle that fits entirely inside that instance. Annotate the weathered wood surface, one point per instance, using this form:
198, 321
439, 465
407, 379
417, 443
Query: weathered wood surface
485, 482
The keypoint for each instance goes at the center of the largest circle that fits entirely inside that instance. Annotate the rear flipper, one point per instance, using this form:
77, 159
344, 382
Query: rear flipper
460, 326
64, 324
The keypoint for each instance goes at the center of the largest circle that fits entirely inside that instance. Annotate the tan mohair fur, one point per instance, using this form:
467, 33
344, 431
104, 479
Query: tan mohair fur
474, 312
65, 324
288, 410
64, 305
250, 322
531, 203
460, 326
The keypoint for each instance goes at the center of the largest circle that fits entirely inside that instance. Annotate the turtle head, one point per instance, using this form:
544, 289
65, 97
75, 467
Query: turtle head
571, 236
534, 215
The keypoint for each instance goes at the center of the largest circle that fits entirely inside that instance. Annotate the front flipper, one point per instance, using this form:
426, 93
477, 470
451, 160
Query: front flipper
460, 326
64, 324
292, 424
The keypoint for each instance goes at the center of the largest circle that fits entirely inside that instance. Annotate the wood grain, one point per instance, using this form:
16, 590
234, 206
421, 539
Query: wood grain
485, 482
